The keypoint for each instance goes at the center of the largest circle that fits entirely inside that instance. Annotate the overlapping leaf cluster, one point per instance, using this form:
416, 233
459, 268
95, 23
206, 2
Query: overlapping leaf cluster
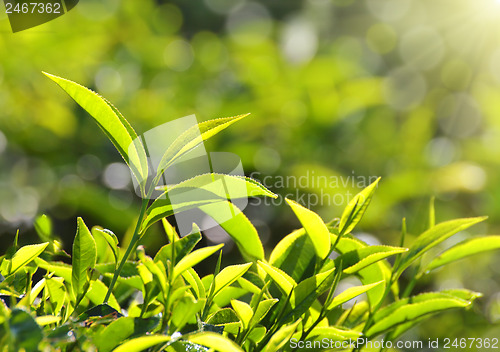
120, 299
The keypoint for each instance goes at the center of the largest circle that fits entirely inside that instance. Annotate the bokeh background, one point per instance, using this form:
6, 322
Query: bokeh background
408, 90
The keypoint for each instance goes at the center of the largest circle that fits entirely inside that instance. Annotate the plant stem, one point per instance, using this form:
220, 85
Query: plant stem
131, 246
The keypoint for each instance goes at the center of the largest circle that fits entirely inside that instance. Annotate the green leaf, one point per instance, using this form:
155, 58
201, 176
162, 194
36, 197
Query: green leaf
25, 255
170, 231
96, 293
183, 246
295, 255
281, 337
194, 258
356, 208
414, 311
243, 311
284, 282
465, 249
433, 237
195, 282
215, 341
223, 316
315, 228
222, 186
306, 292
228, 275
262, 309
358, 259
47, 320
460, 294
57, 293
58, 268
113, 124
83, 257
185, 311
26, 334
112, 241
237, 225
43, 227
141, 343
193, 137
333, 333
350, 293
379, 271
121, 329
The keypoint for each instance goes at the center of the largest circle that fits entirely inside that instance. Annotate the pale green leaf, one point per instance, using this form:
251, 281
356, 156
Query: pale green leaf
193, 137
281, 337
228, 275
141, 343
25, 255
215, 341
47, 320
194, 258
112, 241
351, 293
334, 333
284, 282
243, 311
223, 186
262, 309
356, 208
315, 228
237, 225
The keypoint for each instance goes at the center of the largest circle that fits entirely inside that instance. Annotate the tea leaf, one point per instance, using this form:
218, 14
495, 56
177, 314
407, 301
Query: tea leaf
215, 341
194, 258
26, 334
112, 241
141, 343
356, 208
183, 246
223, 185
295, 255
193, 137
25, 255
315, 228
358, 259
121, 329
334, 333
83, 257
351, 293
237, 225
113, 124
433, 237
261, 311
228, 275
284, 282
414, 311
243, 311
465, 249
281, 337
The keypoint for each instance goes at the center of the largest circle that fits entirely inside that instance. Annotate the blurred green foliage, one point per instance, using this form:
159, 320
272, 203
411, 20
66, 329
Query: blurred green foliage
403, 89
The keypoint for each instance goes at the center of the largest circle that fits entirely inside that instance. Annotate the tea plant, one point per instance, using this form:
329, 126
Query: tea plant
112, 298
